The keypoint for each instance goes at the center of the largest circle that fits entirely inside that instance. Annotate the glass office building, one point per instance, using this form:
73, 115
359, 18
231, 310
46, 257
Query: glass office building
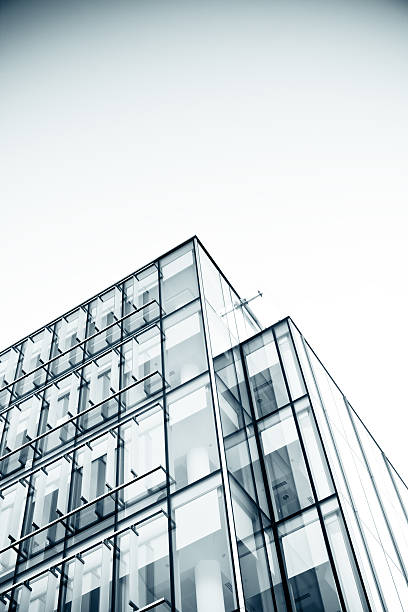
160, 451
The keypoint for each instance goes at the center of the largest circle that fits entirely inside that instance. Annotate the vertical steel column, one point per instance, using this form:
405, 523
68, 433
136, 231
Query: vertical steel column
220, 441
63, 580
166, 443
119, 459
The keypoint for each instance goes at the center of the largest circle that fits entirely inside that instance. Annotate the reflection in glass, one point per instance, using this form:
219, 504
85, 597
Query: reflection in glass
143, 565
289, 360
265, 374
346, 570
193, 445
204, 578
178, 278
184, 345
286, 469
314, 451
311, 582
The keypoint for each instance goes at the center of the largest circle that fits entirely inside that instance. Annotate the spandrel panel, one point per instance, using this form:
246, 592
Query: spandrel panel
307, 564
265, 374
287, 475
178, 278
192, 441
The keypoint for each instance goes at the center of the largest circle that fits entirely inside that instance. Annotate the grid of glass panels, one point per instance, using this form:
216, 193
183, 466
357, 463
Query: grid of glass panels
159, 452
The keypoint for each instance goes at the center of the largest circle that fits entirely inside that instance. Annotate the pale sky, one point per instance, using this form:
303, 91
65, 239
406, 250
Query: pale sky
275, 131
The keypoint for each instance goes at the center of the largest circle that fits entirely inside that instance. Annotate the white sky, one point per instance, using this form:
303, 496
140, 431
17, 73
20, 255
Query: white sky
275, 131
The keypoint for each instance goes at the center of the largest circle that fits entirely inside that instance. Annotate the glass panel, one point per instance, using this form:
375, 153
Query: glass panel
311, 583
143, 443
202, 560
314, 450
256, 573
139, 291
179, 278
219, 307
343, 559
193, 445
287, 476
289, 360
143, 565
265, 375
184, 344
38, 595
385, 487
89, 576
232, 393
21, 427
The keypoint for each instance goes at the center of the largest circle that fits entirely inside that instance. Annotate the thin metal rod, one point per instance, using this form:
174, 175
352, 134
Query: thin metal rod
76, 346
83, 507
77, 416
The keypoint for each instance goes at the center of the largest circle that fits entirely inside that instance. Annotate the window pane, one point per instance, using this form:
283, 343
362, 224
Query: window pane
179, 279
310, 577
288, 480
204, 580
289, 359
346, 569
265, 374
313, 447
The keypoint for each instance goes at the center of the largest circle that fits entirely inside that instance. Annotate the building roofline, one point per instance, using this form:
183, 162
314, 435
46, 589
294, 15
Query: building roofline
122, 280
93, 297
227, 281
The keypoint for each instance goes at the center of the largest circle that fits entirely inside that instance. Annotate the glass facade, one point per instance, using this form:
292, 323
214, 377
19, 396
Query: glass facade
160, 451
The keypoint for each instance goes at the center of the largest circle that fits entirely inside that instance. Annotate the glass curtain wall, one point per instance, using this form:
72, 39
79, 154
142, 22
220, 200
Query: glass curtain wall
159, 451
371, 494
111, 483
